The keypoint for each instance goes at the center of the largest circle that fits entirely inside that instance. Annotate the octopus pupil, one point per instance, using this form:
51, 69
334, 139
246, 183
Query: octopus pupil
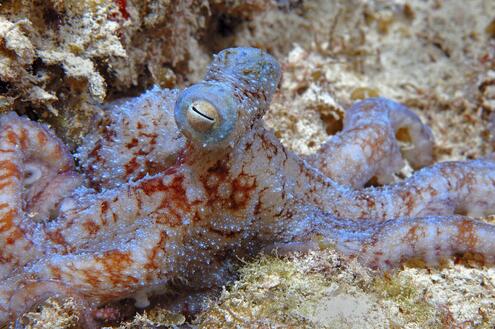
202, 114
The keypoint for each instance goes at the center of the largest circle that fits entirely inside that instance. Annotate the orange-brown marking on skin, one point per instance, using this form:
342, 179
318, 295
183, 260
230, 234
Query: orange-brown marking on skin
432, 190
411, 236
170, 217
152, 264
378, 254
174, 201
14, 236
10, 168
171, 170
23, 137
259, 205
95, 154
108, 134
220, 171
115, 263
7, 183
66, 167
376, 143
467, 233
12, 137
142, 175
7, 220
3, 205
142, 152
152, 138
370, 202
133, 143
55, 271
152, 168
268, 146
5, 176
408, 198
34, 200
57, 152
7, 151
153, 186
103, 211
91, 227
91, 276
242, 190
42, 138
239, 194
5, 259
95, 151
389, 263
56, 237
131, 166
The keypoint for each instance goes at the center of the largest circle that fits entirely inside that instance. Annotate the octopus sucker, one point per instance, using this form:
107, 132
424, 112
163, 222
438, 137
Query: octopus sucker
175, 185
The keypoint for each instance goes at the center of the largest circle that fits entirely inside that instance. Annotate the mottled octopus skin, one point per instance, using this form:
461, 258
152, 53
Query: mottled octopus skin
372, 126
127, 146
36, 170
154, 211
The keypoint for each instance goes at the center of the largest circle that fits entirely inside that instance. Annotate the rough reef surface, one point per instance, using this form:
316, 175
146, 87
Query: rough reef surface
59, 60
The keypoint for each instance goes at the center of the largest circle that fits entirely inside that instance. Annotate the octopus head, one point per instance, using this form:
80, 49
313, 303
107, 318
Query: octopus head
236, 92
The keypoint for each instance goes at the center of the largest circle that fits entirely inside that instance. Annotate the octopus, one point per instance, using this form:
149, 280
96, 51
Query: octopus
172, 187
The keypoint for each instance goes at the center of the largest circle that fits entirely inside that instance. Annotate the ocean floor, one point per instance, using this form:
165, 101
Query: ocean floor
61, 60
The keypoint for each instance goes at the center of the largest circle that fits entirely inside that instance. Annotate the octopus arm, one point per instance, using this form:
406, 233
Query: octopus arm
388, 244
35, 172
458, 187
112, 270
429, 239
369, 145
167, 197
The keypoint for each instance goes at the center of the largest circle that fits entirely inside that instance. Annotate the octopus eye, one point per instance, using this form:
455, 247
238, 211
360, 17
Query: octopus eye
202, 116
206, 113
